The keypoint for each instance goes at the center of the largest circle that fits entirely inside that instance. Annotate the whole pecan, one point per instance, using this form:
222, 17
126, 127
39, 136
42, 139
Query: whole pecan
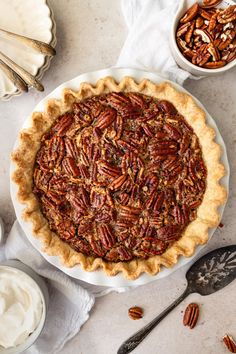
70, 167
227, 15
167, 107
106, 235
181, 215
63, 124
215, 64
106, 118
205, 14
118, 182
183, 29
190, 14
202, 56
173, 131
191, 315
230, 343
212, 22
71, 148
135, 313
188, 34
214, 52
107, 169
137, 100
208, 4
206, 37
199, 22
170, 232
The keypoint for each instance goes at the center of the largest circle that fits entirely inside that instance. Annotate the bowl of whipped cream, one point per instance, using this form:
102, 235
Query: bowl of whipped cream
23, 306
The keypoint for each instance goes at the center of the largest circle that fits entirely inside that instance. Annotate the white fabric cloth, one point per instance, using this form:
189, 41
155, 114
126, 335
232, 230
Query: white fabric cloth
70, 300
147, 45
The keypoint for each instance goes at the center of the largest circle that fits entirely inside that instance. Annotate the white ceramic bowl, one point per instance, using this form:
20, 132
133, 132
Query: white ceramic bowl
179, 58
40, 284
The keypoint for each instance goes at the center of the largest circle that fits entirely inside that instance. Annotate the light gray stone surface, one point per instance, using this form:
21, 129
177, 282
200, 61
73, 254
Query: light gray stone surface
90, 35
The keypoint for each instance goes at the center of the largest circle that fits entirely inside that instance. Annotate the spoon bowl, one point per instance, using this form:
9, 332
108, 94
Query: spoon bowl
213, 271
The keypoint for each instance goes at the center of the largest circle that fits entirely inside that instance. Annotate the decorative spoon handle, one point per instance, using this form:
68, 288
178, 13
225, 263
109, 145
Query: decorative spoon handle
14, 77
25, 75
39, 46
131, 343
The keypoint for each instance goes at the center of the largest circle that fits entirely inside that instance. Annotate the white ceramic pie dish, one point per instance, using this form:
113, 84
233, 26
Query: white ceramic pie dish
178, 56
41, 286
99, 277
32, 19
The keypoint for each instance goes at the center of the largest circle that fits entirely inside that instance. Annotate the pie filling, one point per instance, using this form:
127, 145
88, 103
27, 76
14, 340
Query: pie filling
120, 176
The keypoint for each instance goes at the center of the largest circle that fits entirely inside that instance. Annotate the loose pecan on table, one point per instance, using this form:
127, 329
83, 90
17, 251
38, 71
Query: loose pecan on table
191, 315
230, 343
135, 313
206, 34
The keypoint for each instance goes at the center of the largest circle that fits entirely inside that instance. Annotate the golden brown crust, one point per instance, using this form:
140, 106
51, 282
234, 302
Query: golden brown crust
196, 232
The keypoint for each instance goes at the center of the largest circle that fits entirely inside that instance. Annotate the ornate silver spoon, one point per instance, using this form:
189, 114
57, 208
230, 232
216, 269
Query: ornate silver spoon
25, 75
207, 275
39, 46
13, 76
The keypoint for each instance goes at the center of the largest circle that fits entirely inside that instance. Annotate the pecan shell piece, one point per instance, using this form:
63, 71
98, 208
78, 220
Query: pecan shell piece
191, 315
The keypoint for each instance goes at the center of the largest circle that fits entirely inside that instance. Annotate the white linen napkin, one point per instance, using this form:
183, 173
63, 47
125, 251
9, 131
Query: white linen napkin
70, 300
147, 45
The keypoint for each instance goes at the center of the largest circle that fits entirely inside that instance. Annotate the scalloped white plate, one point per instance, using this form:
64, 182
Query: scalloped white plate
99, 277
30, 18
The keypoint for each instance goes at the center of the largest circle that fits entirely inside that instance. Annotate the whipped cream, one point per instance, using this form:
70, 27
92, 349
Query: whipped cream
21, 306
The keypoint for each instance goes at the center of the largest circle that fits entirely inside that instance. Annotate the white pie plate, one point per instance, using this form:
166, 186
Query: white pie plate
99, 277
30, 18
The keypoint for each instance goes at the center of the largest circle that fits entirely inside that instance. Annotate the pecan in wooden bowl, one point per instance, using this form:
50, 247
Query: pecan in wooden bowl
203, 38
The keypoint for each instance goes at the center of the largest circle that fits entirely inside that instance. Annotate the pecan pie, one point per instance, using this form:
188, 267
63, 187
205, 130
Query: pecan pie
123, 176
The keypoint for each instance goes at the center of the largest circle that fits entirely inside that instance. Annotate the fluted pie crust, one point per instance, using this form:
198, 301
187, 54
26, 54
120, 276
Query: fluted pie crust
196, 232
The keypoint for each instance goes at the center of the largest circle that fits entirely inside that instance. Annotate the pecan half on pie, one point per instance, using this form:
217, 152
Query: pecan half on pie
120, 175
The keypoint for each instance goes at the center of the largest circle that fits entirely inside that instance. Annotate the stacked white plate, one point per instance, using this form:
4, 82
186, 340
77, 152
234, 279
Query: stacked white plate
32, 19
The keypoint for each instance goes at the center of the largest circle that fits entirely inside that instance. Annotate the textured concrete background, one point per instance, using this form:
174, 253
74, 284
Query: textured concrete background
90, 35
